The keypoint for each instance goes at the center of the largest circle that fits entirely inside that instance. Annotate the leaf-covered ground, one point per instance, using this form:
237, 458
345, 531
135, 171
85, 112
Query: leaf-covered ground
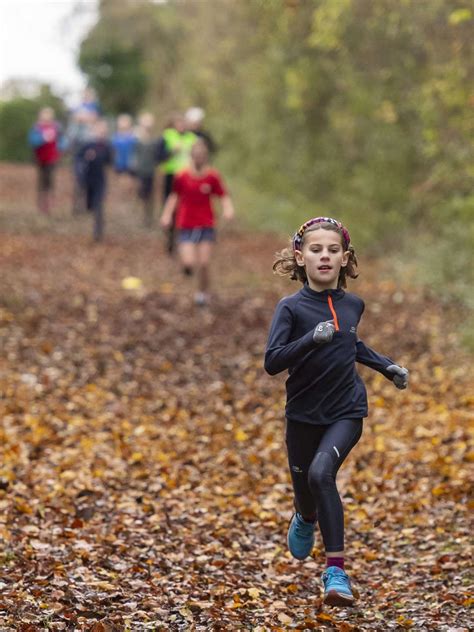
143, 481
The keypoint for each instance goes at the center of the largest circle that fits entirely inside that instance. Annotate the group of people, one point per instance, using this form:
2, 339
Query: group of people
181, 153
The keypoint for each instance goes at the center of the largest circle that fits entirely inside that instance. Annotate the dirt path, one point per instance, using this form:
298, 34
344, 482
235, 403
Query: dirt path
143, 482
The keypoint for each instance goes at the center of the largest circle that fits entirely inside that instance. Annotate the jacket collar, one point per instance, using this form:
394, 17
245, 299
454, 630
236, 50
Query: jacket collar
322, 296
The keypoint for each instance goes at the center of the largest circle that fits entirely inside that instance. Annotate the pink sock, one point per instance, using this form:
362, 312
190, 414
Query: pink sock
335, 561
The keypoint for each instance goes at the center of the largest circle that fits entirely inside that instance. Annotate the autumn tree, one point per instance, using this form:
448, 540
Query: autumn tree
360, 109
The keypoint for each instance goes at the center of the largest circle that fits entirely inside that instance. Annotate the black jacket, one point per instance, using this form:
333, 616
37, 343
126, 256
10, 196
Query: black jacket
323, 385
95, 156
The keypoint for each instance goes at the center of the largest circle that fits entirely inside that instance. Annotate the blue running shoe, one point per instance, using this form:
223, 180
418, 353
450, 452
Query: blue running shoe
337, 587
300, 537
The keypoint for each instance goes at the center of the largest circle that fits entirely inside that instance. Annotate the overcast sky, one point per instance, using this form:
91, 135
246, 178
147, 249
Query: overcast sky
39, 39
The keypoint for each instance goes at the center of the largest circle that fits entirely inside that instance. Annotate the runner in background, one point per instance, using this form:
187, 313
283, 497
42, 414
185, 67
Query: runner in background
96, 156
47, 141
194, 118
123, 147
173, 154
143, 163
78, 133
123, 144
193, 190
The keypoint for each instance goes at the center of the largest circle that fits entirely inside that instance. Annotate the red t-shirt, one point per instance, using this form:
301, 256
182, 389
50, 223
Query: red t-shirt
194, 198
47, 153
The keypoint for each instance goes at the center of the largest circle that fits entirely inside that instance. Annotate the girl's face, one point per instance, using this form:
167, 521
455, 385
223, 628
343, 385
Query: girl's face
322, 255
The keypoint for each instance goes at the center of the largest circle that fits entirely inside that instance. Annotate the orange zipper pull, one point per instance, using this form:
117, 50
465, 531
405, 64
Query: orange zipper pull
333, 312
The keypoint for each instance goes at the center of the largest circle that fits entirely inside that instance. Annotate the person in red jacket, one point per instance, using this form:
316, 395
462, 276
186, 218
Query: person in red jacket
46, 137
193, 190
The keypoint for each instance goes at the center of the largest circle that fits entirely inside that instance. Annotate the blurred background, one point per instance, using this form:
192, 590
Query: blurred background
359, 109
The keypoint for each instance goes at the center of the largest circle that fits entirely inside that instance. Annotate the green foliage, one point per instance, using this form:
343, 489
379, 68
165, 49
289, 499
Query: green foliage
17, 116
117, 75
130, 54
356, 108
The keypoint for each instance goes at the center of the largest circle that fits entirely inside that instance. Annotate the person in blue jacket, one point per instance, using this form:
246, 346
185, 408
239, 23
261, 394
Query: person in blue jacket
314, 336
123, 144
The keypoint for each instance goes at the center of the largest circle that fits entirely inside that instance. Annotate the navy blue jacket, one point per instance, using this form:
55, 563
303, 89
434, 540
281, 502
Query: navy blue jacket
95, 156
323, 385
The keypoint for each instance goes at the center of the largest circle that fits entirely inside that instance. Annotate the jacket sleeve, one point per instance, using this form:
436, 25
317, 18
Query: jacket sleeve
35, 137
281, 354
367, 356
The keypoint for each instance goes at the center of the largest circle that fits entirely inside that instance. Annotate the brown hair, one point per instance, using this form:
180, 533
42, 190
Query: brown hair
285, 263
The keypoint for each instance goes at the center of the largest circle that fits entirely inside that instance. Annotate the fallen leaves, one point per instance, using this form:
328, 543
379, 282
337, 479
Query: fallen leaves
143, 478
132, 283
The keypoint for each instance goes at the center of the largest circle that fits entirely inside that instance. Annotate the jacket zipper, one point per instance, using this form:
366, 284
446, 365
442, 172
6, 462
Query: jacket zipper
333, 312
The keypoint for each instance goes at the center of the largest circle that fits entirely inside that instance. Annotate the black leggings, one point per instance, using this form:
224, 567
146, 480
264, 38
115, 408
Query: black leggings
315, 454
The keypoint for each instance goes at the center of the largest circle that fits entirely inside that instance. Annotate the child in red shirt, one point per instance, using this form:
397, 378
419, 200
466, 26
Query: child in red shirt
193, 190
46, 138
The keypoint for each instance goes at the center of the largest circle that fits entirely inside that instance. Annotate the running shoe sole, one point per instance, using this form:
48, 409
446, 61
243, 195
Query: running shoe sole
334, 598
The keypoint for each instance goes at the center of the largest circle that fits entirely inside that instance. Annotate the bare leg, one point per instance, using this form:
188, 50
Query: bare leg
187, 255
49, 200
204, 251
43, 202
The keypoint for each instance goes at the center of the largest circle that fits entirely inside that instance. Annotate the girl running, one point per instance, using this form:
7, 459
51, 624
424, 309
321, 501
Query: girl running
173, 155
193, 190
314, 335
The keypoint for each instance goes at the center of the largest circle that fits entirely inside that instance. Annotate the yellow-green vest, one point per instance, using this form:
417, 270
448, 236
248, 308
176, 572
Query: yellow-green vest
180, 147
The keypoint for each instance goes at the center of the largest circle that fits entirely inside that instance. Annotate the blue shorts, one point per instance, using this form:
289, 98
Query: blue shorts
197, 235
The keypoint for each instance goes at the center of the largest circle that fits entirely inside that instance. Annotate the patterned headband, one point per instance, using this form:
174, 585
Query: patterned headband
298, 236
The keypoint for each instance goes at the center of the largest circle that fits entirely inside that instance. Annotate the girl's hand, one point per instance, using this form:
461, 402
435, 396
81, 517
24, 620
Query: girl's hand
227, 208
324, 331
400, 375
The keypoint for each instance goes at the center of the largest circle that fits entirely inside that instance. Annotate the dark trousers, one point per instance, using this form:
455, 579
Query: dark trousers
45, 185
315, 454
95, 194
78, 192
45, 176
171, 233
146, 187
